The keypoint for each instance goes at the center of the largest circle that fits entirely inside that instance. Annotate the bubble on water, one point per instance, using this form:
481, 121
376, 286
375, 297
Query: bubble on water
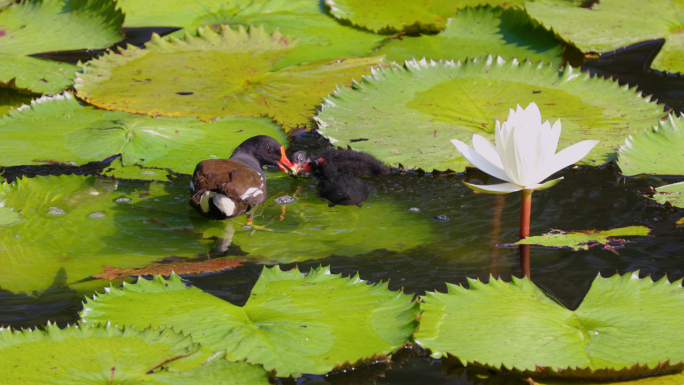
122, 200
284, 200
148, 172
414, 210
55, 212
96, 215
441, 218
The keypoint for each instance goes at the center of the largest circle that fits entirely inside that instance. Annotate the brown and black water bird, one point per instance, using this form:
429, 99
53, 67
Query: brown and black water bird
226, 188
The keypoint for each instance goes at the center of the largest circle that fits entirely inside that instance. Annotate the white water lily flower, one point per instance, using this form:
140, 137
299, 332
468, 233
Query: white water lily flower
525, 152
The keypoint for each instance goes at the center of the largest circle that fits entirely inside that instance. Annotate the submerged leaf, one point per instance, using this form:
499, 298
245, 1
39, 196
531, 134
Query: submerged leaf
304, 230
166, 269
237, 77
623, 323
409, 115
292, 323
75, 224
658, 150
672, 194
584, 239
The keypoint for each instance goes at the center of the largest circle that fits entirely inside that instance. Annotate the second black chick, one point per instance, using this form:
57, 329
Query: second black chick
338, 188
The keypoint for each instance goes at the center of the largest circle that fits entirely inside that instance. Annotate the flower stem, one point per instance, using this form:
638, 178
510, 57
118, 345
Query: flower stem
525, 209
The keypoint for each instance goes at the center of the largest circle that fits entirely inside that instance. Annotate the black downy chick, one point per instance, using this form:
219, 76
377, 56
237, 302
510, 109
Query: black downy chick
337, 188
337, 172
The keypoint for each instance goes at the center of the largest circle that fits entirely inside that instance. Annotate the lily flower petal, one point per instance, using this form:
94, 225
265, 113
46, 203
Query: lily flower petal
524, 153
500, 188
545, 185
485, 148
567, 156
479, 161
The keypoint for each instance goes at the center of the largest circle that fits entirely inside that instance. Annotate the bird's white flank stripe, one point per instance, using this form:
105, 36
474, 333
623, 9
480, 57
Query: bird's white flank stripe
251, 192
225, 204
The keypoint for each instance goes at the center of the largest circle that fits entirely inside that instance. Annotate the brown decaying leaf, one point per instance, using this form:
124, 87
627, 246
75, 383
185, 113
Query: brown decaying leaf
165, 269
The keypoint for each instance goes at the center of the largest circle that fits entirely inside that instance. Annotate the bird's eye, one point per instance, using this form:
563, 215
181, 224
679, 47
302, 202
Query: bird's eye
271, 151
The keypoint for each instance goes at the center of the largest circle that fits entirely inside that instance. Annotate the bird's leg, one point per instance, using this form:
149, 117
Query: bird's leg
253, 214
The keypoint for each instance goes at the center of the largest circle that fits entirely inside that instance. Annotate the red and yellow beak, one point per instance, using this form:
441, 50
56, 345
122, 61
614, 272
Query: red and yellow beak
285, 165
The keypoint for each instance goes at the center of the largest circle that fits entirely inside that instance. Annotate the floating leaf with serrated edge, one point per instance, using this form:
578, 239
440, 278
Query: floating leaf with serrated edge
307, 229
236, 77
59, 25
166, 269
35, 74
408, 115
52, 25
321, 37
399, 15
292, 323
78, 224
611, 19
658, 150
623, 321
75, 354
671, 193
81, 134
476, 32
584, 239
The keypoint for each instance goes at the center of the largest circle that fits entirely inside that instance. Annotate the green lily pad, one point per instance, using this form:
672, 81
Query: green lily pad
404, 15
7, 215
584, 239
623, 321
476, 32
611, 19
671, 193
105, 354
76, 352
59, 25
659, 150
37, 75
320, 36
52, 25
73, 225
408, 115
304, 230
236, 78
81, 134
292, 323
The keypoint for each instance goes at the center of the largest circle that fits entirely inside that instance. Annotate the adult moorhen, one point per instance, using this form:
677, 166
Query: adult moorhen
337, 172
226, 188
